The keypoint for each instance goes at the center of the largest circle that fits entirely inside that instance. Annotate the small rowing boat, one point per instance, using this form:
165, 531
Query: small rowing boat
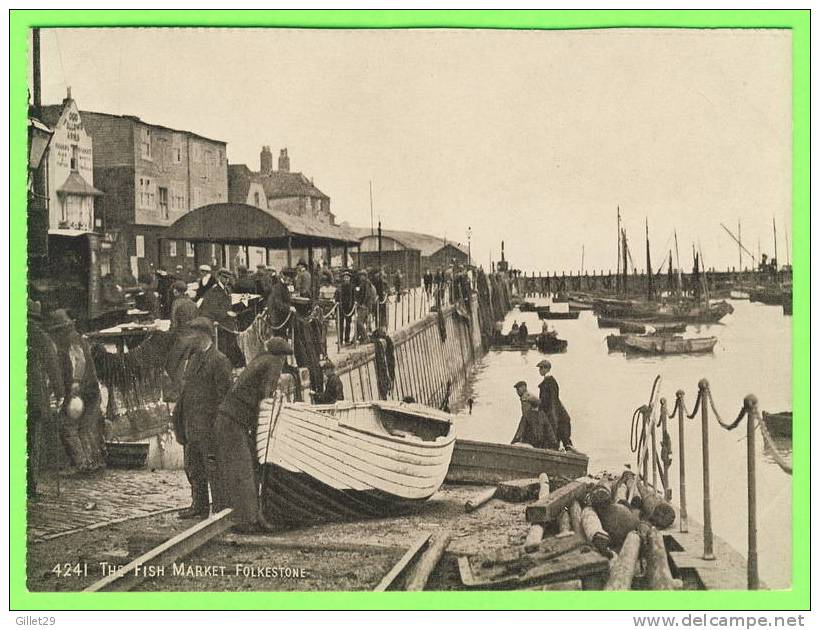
663, 344
544, 312
617, 343
487, 463
349, 460
779, 424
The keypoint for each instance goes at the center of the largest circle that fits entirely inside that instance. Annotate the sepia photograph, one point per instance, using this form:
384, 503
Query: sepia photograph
430, 309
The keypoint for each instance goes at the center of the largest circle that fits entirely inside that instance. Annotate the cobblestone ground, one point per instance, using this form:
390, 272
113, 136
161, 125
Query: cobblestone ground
67, 504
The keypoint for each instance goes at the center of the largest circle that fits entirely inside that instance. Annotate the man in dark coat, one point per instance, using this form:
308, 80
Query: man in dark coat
344, 297
534, 428
244, 282
44, 381
334, 390
183, 309
552, 406
279, 307
262, 279
205, 282
236, 425
303, 284
81, 419
217, 300
207, 378
523, 333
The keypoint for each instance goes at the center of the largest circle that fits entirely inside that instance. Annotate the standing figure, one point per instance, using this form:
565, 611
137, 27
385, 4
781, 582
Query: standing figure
303, 284
552, 406
217, 300
205, 282
279, 307
236, 425
44, 381
344, 298
81, 419
262, 280
428, 283
364, 295
207, 378
523, 334
534, 428
334, 391
183, 309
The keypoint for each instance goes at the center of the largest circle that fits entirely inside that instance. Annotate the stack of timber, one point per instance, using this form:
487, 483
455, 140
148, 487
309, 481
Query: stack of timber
590, 533
349, 460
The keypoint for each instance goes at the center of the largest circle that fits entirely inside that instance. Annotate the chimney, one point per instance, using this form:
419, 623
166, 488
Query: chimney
266, 161
284, 161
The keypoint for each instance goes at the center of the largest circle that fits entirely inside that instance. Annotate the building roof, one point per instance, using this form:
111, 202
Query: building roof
425, 243
243, 224
279, 184
50, 114
134, 119
75, 184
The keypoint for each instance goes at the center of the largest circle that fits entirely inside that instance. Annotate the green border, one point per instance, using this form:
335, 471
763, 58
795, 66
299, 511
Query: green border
797, 20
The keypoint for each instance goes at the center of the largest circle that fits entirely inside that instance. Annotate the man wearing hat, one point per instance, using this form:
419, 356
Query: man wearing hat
279, 307
334, 390
183, 309
552, 406
217, 300
303, 283
206, 281
236, 425
262, 280
44, 380
534, 428
206, 379
344, 298
80, 417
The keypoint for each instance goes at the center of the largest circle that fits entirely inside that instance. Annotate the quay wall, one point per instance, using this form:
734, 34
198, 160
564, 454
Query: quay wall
424, 363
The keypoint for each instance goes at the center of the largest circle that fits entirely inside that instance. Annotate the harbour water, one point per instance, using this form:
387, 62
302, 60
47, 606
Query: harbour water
601, 390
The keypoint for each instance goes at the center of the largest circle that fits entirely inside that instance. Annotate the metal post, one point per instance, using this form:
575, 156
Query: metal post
654, 449
708, 548
645, 472
753, 579
339, 327
684, 517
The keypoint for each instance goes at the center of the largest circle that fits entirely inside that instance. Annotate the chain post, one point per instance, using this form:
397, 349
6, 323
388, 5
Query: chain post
708, 543
753, 579
684, 517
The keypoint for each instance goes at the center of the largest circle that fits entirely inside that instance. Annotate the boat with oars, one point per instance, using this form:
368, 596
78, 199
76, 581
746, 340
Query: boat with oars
349, 460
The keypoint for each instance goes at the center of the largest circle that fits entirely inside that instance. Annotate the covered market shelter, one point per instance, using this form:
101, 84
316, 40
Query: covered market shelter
242, 226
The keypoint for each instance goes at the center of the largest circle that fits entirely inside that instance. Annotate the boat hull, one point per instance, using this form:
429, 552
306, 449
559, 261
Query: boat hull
547, 314
486, 463
349, 460
779, 424
664, 345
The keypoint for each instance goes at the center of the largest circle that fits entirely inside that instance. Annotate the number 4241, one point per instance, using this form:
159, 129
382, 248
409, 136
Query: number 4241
71, 570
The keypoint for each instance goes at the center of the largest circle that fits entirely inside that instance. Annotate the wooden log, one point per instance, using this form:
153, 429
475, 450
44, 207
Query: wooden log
593, 531
412, 552
617, 520
564, 524
520, 490
574, 510
548, 510
602, 492
420, 573
536, 533
625, 566
633, 496
658, 574
479, 499
655, 508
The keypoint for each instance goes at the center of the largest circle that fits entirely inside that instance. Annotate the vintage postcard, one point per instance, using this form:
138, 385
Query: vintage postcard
492, 311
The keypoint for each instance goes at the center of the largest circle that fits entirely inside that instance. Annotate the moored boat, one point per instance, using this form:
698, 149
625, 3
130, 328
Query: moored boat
779, 424
488, 463
544, 312
349, 460
664, 344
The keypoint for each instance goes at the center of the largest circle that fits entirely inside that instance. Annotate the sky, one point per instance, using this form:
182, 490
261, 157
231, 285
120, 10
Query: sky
530, 137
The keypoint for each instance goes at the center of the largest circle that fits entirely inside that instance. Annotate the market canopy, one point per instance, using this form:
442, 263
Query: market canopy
243, 224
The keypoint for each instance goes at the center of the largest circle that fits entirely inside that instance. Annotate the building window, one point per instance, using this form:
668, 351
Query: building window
145, 143
163, 203
189, 249
140, 242
74, 157
172, 249
146, 193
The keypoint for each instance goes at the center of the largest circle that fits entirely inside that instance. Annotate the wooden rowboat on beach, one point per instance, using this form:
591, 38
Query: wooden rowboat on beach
487, 463
349, 460
663, 344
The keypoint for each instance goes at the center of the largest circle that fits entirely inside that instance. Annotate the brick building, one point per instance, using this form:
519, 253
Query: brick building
152, 175
290, 192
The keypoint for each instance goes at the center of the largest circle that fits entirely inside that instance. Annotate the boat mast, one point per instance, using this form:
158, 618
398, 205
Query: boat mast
582, 259
677, 262
786, 230
649, 274
774, 229
618, 264
739, 249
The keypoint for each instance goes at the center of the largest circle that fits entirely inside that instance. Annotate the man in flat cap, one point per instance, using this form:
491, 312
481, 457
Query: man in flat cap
207, 378
344, 298
205, 282
81, 419
217, 300
552, 406
236, 425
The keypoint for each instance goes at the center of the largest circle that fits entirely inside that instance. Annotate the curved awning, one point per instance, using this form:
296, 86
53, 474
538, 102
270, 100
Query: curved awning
243, 224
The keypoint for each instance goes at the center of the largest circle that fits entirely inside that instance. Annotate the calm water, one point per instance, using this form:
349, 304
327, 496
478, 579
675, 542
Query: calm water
601, 390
